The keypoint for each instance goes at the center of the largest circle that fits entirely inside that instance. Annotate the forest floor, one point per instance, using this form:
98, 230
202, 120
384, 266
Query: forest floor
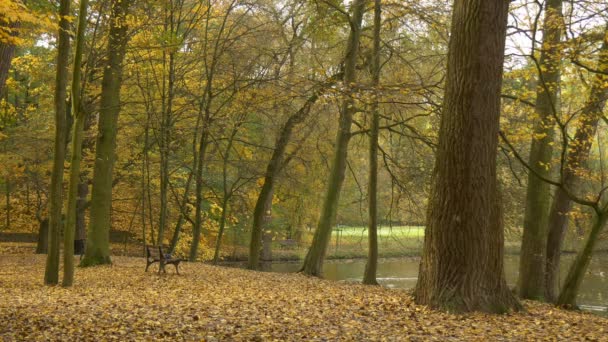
121, 302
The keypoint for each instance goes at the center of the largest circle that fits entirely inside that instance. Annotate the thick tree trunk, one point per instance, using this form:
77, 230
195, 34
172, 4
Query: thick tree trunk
462, 263
369, 277
575, 162
51, 273
313, 263
77, 137
567, 296
98, 240
538, 196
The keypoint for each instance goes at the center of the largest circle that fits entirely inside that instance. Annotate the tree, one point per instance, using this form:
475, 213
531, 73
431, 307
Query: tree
8, 39
371, 266
462, 262
575, 165
313, 263
538, 197
77, 135
98, 238
51, 273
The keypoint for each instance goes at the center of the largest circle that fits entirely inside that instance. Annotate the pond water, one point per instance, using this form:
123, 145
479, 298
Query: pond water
403, 272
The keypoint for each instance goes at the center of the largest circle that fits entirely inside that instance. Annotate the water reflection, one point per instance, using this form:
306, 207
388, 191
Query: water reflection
402, 273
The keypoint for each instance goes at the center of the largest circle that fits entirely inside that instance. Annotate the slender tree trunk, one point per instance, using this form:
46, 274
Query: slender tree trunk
98, 241
7, 196
226, 197
576, 159
369, 277
263, 204
78, 132
313, 263
538, 196
81, 208
576, 273
198, 216
462, 263
182, 215
51, 273
220, 233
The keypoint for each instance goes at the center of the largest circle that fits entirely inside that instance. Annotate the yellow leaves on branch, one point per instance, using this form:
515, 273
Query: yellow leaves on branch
14, 15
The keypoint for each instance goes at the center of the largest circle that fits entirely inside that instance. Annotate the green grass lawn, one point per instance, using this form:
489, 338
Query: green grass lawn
383, 231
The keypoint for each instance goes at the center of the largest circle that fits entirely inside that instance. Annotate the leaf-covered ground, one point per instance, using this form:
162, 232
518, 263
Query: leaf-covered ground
121, 302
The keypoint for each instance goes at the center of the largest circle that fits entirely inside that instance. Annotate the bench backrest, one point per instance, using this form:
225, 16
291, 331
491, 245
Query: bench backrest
154, 252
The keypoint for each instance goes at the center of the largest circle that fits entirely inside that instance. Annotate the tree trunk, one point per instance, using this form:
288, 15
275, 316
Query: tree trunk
43, 237
263, 204
313, 263
369, 277
538, 196
462, 263
98, 240
220, 233
182, 215
567, 296
198, 215
81, 209
7, 51
164, 146
7, 197
51, 273
577, 157
78, 133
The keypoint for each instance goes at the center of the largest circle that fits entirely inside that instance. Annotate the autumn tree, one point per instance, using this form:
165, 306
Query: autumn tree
462, 262
51, 274
98, 244
313, 263
576, 166
369, 277
532, 265
77, 136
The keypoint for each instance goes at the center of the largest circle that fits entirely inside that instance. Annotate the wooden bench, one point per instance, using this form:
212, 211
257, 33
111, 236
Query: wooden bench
156, 254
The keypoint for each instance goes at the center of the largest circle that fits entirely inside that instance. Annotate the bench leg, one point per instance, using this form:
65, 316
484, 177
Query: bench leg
162, 267
148, 265
177, 268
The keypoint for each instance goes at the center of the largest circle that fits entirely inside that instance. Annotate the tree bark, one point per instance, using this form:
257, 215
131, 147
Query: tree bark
7, 51
77, 137
98, 240
538, 193
575, 161
313, 263
43, 237
462, 263
369, 277
51, 272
